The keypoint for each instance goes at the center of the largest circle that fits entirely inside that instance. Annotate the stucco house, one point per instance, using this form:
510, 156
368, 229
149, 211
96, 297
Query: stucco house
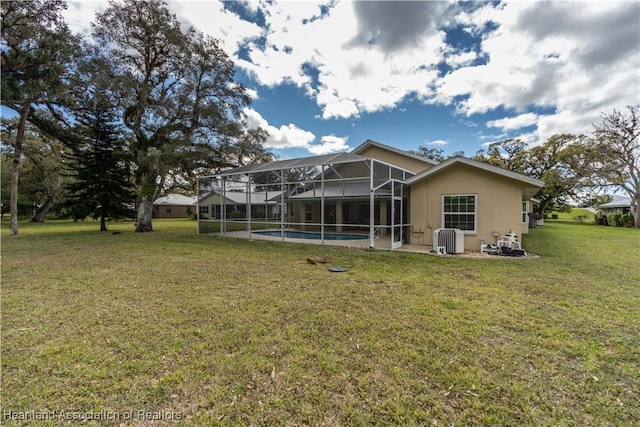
619, 204
236, 203
378, 195
175, 206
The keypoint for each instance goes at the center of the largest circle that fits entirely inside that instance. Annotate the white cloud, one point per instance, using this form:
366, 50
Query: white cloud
253, 93
512, 123
286, 136
79, 14
438, 142
212, 19
574, 58
351, 78
457, 60
291, 136
330, 144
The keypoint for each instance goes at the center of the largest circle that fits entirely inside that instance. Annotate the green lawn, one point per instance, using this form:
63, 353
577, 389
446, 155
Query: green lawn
575, 215
217, 331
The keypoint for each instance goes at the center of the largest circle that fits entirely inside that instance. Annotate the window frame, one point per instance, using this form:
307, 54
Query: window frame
474, 212
308, 212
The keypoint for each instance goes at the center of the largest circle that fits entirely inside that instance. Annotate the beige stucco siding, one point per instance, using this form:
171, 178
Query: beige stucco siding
409, 163
498, 199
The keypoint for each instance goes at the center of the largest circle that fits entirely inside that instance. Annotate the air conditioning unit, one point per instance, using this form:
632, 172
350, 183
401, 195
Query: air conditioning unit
452, 239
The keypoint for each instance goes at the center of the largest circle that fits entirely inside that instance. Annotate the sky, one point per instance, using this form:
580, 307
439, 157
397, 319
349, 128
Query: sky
456, 76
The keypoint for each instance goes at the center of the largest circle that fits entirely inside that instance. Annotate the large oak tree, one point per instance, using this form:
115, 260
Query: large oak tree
616, 159
178, 94
553, 162
36, 49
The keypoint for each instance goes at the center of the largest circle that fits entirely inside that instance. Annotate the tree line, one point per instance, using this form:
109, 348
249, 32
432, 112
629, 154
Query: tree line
573, 167
144, 104
105, 124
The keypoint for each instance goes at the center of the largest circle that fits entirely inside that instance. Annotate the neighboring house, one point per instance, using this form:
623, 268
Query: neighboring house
391, 196
619, 204
175, 206
236, 203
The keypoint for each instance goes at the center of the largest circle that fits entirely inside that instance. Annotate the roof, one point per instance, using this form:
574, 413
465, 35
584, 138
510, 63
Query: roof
369, 143
258, 197
476, 164
617, 202
176, 200
529, 181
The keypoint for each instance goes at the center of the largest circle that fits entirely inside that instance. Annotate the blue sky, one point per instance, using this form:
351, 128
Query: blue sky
326, 76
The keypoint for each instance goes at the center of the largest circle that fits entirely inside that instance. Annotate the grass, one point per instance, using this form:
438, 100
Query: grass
202, 330
575, 214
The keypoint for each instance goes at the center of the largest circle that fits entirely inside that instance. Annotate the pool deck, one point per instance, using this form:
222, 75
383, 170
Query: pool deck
381, 243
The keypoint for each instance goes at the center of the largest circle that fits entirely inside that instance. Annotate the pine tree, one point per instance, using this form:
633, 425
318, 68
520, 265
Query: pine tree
100, 168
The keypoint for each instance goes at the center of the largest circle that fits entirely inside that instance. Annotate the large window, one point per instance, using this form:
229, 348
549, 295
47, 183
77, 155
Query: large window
459, 211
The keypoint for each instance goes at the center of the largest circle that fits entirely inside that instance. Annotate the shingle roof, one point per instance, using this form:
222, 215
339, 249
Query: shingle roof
256, 198
347, 190
617, 202
370, 143
474, 163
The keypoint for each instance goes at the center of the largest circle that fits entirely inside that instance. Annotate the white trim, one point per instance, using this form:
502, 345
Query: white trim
475, 212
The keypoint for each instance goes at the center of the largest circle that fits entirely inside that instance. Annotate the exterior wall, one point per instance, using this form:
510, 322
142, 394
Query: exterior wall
616, 210
211, 199
409, 163
174, 211
498, 204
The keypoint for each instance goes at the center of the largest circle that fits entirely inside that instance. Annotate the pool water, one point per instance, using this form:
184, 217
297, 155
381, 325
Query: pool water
314, 236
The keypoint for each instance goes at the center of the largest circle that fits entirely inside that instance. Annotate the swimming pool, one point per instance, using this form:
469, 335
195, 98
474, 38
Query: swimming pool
314, 236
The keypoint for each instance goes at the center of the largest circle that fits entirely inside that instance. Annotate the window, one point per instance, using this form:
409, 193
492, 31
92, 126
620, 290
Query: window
167, 209
308, 212
204, 209
459, 211
524, 212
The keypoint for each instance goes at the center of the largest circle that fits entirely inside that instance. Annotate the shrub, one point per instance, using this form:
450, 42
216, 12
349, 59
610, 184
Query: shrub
627, 220
580, 218
554, 216
236, 214
616, 220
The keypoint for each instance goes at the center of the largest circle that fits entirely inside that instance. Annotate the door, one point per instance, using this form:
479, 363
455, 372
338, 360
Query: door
396, 216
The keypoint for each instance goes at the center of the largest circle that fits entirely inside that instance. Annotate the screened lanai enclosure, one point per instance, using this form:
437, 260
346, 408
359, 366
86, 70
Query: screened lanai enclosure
339, 199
